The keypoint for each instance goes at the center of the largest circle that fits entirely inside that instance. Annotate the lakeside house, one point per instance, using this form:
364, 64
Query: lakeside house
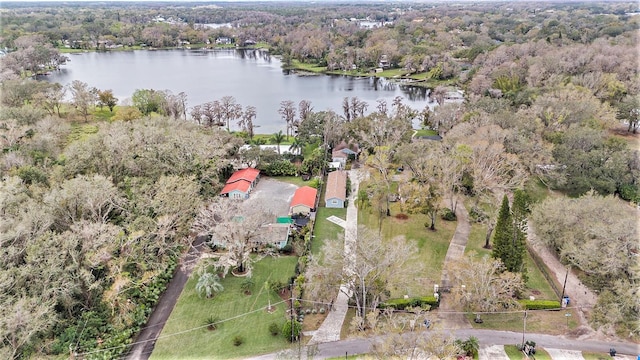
304, 201
336, 193
241, 183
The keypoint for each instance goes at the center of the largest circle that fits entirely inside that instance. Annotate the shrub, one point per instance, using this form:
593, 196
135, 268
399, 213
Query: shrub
211, 322
291, 333
448, 215
539, 304
322, 310
246, 285
281, 168
287, 249
238, 340
274, 329
401, 304
402, 216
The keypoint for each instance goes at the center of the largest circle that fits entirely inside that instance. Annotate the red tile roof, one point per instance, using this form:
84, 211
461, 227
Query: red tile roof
238, 185
248, 174
305, 195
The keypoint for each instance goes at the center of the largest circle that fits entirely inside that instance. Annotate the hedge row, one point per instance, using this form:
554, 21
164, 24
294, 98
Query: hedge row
539, 304
401, 304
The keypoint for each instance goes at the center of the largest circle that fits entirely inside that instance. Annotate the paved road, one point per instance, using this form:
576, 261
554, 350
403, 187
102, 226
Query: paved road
146, 340
361, 346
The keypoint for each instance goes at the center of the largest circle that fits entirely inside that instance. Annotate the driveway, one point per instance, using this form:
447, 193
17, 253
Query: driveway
276, 195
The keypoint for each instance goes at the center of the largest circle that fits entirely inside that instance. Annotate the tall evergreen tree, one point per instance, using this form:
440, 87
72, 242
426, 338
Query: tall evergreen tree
509, 241
503, 233
519, 212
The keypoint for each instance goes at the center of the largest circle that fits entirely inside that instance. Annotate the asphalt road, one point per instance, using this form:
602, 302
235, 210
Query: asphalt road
485, 337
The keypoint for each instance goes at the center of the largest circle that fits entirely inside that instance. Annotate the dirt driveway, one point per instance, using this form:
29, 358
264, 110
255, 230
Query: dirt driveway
276, 195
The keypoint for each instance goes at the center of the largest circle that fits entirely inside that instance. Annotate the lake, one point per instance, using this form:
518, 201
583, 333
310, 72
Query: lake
253, 77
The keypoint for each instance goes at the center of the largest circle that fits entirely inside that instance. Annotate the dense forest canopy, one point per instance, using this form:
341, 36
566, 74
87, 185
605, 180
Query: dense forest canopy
97, 199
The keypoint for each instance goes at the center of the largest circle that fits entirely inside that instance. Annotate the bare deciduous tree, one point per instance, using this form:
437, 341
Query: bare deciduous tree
236, 227
287, 111
487, 287
366, 269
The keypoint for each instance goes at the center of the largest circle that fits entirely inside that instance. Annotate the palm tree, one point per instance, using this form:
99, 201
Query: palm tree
209, 284
295, 147
278, 138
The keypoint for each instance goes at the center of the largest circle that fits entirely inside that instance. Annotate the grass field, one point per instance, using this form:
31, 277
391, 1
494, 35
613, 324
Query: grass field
184, 335
325, 230
295, 180
538, 321
426, 132
432, 245
267, 138
515, 354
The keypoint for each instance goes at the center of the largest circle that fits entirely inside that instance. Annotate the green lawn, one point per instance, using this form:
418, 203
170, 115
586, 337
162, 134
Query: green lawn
324, 230
538, 321
426, 132
267, 137
314, 68
184, 337
432, 245
515, 354
595, 356
295, 180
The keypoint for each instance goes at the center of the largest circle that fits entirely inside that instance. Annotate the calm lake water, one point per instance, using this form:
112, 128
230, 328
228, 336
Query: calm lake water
251, 76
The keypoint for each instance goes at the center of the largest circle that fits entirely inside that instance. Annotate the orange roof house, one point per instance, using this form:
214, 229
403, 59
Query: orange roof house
304, 200
241, 183
248, 174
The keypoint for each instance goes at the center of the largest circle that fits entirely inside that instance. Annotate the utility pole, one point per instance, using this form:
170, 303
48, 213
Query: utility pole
565, 284
524, 327
291, 308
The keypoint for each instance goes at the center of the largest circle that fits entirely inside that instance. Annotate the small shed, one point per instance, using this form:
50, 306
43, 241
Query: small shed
304, 201
336, 193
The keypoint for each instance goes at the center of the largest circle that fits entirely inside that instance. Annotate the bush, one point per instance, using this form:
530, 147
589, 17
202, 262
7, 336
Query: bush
274, 329
291, 333
287, 249
281, 168
211, 322
401, 304
246, 285
539, 304
448, 215
238, 340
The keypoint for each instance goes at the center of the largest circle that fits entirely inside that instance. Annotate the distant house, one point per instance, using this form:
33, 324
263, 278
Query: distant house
241, 183
336, 193
223, 41
335, 165
341, 155
304, 201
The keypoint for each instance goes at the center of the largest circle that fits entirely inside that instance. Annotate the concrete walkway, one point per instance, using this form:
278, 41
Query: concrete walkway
330, 329
455, 253
493, 352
